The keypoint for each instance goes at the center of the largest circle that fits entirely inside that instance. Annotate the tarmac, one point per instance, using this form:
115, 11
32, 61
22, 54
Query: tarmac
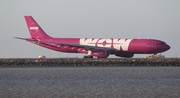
50, 62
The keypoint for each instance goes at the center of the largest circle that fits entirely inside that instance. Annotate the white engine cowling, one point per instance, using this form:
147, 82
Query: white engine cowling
100, 53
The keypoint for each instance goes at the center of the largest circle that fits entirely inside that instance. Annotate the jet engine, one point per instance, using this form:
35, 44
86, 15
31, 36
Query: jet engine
127, 55
100, 53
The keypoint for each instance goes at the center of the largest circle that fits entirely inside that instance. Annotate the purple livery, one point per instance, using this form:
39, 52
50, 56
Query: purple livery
98, 47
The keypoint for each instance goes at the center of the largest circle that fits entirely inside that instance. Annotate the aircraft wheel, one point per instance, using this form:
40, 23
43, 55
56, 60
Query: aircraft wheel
88, 57
102, 58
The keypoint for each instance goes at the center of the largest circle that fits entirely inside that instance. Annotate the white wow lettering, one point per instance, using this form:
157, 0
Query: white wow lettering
119, 44
104, 43
34, 28
88, 41
122, 43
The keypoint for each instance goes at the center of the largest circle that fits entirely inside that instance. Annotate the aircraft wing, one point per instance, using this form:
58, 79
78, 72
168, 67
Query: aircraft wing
87, 47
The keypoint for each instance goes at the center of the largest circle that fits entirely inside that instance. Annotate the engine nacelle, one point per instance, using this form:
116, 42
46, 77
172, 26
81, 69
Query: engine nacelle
100, 53
127, 55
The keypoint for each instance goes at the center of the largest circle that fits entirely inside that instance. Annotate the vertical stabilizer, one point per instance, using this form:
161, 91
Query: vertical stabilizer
35, 30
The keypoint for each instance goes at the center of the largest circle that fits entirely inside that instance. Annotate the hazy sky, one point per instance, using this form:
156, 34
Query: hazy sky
157, 19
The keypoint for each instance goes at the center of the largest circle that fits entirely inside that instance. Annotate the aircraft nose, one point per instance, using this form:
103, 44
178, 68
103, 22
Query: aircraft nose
164, 47
167, 47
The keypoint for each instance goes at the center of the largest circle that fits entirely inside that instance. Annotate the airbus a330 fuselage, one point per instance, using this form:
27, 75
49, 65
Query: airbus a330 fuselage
98, 47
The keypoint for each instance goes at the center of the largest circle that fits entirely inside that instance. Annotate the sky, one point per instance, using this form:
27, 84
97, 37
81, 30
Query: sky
156, 19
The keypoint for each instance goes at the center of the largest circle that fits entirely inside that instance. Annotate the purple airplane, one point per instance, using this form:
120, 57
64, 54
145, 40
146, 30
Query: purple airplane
97, 47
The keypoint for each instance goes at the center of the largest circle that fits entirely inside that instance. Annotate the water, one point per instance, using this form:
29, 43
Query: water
80, 82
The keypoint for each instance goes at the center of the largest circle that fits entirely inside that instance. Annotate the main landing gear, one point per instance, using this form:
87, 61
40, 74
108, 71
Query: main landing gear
89, 54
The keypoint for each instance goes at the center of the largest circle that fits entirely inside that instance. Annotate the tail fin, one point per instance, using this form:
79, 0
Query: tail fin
35, 30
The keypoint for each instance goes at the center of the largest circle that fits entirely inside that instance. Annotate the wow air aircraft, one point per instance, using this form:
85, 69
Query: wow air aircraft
97, 47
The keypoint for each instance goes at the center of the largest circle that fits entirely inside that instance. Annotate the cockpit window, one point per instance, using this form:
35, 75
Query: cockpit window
163, 43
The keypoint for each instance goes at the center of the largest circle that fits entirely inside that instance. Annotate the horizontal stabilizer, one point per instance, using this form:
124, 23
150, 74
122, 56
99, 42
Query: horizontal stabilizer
20, 38
27, 39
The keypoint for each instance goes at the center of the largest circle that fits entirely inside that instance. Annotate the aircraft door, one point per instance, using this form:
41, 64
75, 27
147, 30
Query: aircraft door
49, 40
153, 44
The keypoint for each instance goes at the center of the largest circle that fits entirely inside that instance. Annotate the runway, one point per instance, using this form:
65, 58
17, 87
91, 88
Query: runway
49, 62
